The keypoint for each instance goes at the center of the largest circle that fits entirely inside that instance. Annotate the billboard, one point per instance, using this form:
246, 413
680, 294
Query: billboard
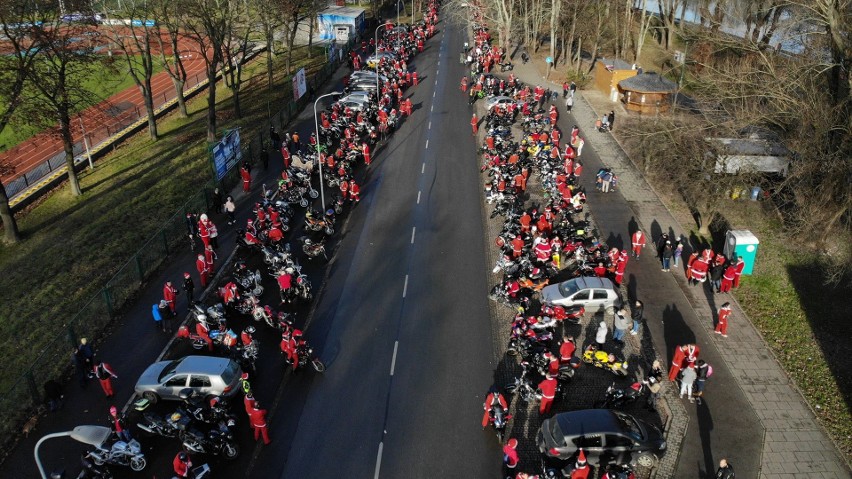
300, 86
227, 153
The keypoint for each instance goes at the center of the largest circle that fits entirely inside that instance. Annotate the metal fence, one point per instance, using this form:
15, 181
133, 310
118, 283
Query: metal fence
18, 403
121, 116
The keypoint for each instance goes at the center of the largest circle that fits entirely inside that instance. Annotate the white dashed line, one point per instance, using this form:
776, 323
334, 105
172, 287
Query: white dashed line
393, 361
431, 109
379, 460
418, 197
423, 168
436, 71
413, 229
434, 93
427, 144
405, 287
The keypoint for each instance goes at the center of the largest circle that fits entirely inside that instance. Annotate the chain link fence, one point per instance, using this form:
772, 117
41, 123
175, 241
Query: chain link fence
20, 402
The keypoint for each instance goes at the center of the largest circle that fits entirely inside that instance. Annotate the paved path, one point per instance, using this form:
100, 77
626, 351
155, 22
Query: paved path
753, 414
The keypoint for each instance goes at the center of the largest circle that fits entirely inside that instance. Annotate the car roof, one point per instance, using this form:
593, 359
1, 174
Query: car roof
202, 364
593, 282
587, 421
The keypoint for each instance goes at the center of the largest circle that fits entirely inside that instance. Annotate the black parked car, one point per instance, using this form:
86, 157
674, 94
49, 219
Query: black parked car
606, 436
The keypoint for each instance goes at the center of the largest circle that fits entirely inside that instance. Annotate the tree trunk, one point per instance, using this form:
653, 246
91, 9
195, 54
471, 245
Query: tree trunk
310, 37
181, 99
10, 226
149, 108
68, 146
211, 103
270, 54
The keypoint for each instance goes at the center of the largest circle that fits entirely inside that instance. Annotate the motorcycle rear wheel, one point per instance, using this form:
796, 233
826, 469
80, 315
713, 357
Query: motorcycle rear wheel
230, 450
138, 463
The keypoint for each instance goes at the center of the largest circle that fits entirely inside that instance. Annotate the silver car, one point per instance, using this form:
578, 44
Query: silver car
591, 292
205, 375
367, 74
498, 100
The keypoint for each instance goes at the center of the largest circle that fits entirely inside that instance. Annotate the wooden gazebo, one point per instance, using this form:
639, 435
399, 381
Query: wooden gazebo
647, 93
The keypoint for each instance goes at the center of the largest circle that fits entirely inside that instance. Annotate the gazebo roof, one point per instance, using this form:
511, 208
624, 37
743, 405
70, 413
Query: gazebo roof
648, 83
615, 64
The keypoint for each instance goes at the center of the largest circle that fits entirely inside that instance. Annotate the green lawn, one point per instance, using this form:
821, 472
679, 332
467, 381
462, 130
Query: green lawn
72, 246
102, 82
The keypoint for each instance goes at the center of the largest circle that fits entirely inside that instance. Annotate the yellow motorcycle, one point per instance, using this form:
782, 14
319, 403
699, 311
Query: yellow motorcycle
604, 360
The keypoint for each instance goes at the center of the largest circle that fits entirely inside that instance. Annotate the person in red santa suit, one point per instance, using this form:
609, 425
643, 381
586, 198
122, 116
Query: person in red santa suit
600, 270
728, 278
548, 393
698, 270
245, 174
638, 242
204, 230
581, 468
493, 399
722, 320
288, 348
209, 257
739, 266
474, 124
203, 272
182, 465
203, 332
365, 150
567, 349
246, 336
170, 295
354, 191
344, 189
683, 355
620, 266
510, 457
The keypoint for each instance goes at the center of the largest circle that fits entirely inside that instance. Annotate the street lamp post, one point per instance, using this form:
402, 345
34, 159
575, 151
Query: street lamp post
316, 125
91, 435
376, 55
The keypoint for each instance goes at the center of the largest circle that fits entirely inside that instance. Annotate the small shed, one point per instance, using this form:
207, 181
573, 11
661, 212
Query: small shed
647, 93
340, 23
608, 72
753, 154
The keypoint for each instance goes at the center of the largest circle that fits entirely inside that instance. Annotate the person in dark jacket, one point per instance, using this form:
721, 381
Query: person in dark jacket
716, 276
53, 395
189, 287
638, 312
725, 471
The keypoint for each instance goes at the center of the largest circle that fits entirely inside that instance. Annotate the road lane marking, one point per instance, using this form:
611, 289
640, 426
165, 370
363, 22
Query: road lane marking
427, 144
418, 197
393, 361
436, 72
430, 125
423, 168
379, 460
431, 109
413, 229
405, 286
433, 94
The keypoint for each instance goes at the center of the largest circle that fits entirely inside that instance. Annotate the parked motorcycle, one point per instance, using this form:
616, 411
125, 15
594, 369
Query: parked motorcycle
313, 249
305, 354
523, 385
616, 398
216, 441
248, 281
119, 453
316, 222
601, 359
154, 424
499, 418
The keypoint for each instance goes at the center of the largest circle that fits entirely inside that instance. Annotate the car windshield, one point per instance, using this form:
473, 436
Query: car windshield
568, 288
230, 372
557, 434
169, 369
630, 426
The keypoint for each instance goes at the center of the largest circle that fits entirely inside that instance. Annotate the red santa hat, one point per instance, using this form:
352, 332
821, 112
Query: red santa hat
581, 459
513, 443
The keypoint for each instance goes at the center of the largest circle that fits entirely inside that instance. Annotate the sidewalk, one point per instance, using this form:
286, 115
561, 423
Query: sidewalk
793, 443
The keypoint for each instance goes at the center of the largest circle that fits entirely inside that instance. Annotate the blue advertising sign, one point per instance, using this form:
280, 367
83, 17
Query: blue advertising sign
143, 23
227, 153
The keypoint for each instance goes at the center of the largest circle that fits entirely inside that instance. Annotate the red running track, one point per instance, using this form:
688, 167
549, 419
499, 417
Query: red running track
102, 120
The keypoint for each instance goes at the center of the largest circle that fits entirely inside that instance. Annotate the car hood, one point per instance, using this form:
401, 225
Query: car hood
550, 294
652, 434
151, 376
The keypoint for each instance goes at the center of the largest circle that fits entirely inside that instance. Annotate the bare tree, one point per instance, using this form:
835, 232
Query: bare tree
235, 50
168, 18
667, 10
65, 52
14, 73
291, 17
138, 45
207, 23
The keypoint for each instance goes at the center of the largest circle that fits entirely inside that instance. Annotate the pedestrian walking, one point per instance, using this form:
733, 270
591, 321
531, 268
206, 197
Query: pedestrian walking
638, 313
621, 325
725, 471
230, 208
274, 137
170, 296
702, 372
216, 200
214, 234
209, 257
600, 335
666, 255
510, 457
738, 271
105, 375
569, 103
474, 124
722, 320
158, 317
611, 119
53, 395
257, 419
264, 157
119, 425
678, 252
728, 278
203, 272
566, 88
686, 381
572, 88
86, 354
189, 287
654, 389
637, 240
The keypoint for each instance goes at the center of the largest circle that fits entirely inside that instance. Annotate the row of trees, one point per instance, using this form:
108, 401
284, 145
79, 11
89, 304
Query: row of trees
45, 62
737, 85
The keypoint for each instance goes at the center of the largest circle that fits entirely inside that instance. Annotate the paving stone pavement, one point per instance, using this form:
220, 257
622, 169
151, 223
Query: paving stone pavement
794, 443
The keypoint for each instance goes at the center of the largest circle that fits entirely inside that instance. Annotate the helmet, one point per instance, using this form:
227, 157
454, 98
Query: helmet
244, 376
175, 417
250, 221
203, 217
308, 242
214, 401
182, 456
250, 329
289, 270
113, 411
